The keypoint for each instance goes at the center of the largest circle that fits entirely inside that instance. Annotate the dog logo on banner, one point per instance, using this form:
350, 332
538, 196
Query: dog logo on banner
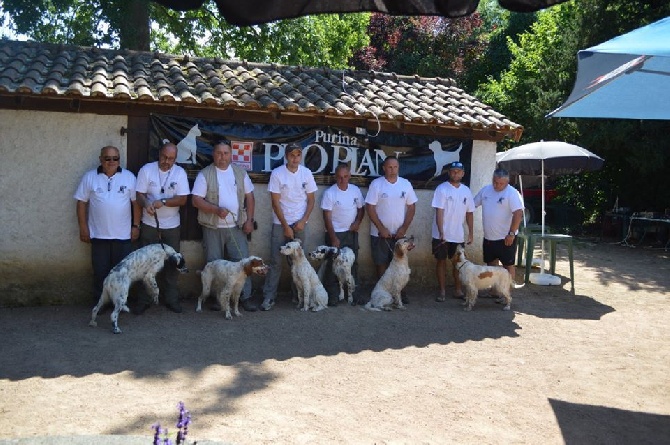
242, 154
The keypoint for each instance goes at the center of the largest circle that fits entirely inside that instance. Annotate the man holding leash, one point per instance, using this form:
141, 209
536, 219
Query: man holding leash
162, 188
391, 204
502, 211
292, 189
107, 214
453, 204
224, 196
343, 211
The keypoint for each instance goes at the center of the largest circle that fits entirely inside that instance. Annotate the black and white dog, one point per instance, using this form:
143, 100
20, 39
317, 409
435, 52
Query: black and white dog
142, 264
343, 259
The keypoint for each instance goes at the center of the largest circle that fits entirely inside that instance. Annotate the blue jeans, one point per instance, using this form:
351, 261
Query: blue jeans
277, 239
230, 244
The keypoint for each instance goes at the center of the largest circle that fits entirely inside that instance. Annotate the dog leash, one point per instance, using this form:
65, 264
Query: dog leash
464, 263
158, 229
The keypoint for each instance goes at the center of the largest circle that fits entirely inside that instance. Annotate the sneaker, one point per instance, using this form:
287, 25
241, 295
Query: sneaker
248, 305
459, 295
440, 298
267, 305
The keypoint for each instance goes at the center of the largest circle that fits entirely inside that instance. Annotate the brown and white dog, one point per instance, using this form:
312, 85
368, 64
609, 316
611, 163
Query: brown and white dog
386, 293
475, 277
229, 277
311, 293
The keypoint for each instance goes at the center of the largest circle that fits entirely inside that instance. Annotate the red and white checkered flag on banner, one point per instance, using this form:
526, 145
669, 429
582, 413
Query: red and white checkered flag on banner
242, 154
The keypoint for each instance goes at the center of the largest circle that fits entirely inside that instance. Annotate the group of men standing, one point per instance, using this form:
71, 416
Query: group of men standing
114, 209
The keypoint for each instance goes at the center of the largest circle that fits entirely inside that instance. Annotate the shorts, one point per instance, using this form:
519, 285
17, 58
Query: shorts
444, 249
497, 250
382, 250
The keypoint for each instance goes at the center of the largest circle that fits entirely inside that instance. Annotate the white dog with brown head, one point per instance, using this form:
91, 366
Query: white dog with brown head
475, 277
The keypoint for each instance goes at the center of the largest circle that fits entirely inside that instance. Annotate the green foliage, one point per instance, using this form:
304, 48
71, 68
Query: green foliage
540, 77
323, 40
427, 46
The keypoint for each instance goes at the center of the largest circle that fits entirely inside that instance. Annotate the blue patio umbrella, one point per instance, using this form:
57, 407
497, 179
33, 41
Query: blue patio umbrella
627, 77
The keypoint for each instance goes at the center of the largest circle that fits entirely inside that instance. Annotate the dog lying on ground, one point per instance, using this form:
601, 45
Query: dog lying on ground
342, 259
386, 293
475, 277
311, 293
229, 277
142, 264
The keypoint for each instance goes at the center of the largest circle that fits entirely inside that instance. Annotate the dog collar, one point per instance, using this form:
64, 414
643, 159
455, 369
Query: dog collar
464, 263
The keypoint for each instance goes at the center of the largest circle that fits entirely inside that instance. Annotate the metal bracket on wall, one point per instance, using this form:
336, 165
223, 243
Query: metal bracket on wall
125, 130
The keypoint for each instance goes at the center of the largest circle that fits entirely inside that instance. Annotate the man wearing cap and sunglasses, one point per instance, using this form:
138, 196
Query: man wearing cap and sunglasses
107, 214
292, 189
453, 204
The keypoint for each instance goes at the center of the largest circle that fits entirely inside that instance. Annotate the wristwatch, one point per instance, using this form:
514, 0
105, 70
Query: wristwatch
511, 233
136, 226
164, 201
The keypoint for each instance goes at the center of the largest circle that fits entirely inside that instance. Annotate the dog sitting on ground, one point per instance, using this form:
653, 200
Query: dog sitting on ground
475, 277
142, 264
342, 260
229, 277
386, 293
311, 293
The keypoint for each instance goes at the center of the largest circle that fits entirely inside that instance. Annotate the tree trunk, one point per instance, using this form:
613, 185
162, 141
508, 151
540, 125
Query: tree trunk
135, 25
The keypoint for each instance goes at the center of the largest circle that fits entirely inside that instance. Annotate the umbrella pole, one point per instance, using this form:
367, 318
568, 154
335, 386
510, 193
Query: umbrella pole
523, 201
542, 258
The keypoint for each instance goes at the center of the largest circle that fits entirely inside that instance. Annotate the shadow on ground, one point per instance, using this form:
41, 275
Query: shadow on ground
582, 424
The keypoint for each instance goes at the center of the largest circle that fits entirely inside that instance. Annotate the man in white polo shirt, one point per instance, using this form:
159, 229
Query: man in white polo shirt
107, 214
453, 204
502, 210
390, 204
224, 196
343, 210
162, 188
292, 189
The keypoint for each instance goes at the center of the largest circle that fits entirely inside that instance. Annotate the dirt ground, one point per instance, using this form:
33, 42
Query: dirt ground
559, 368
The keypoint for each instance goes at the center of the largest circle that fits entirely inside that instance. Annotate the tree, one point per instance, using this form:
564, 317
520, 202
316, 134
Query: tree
427, 46
540, 77
323, 40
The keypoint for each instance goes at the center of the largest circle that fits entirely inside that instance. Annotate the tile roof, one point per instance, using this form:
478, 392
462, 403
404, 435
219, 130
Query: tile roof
48, 70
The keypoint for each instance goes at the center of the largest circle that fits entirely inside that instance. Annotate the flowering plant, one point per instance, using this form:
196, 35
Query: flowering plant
182, 424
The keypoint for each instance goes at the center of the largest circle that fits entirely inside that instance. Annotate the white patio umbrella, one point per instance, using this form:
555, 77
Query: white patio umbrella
547, 158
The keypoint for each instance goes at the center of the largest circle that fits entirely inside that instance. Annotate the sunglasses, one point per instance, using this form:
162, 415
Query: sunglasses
110, 158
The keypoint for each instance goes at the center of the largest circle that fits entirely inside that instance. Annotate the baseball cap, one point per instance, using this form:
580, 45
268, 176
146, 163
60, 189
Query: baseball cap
456, 164
292, 147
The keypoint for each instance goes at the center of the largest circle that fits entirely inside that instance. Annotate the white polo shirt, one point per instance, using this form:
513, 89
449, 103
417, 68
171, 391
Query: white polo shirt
109, 210
456, 202
158, 184
390, 201
343, 205
293, 188
497, 209
227, 193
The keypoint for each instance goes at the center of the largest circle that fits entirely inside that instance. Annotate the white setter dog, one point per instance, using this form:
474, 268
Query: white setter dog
142, 264
343, 259
386, 293
311, 293
475, 277
229, 278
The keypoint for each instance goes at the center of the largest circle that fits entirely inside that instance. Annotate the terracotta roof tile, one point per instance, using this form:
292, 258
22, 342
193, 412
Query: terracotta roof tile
28, 68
